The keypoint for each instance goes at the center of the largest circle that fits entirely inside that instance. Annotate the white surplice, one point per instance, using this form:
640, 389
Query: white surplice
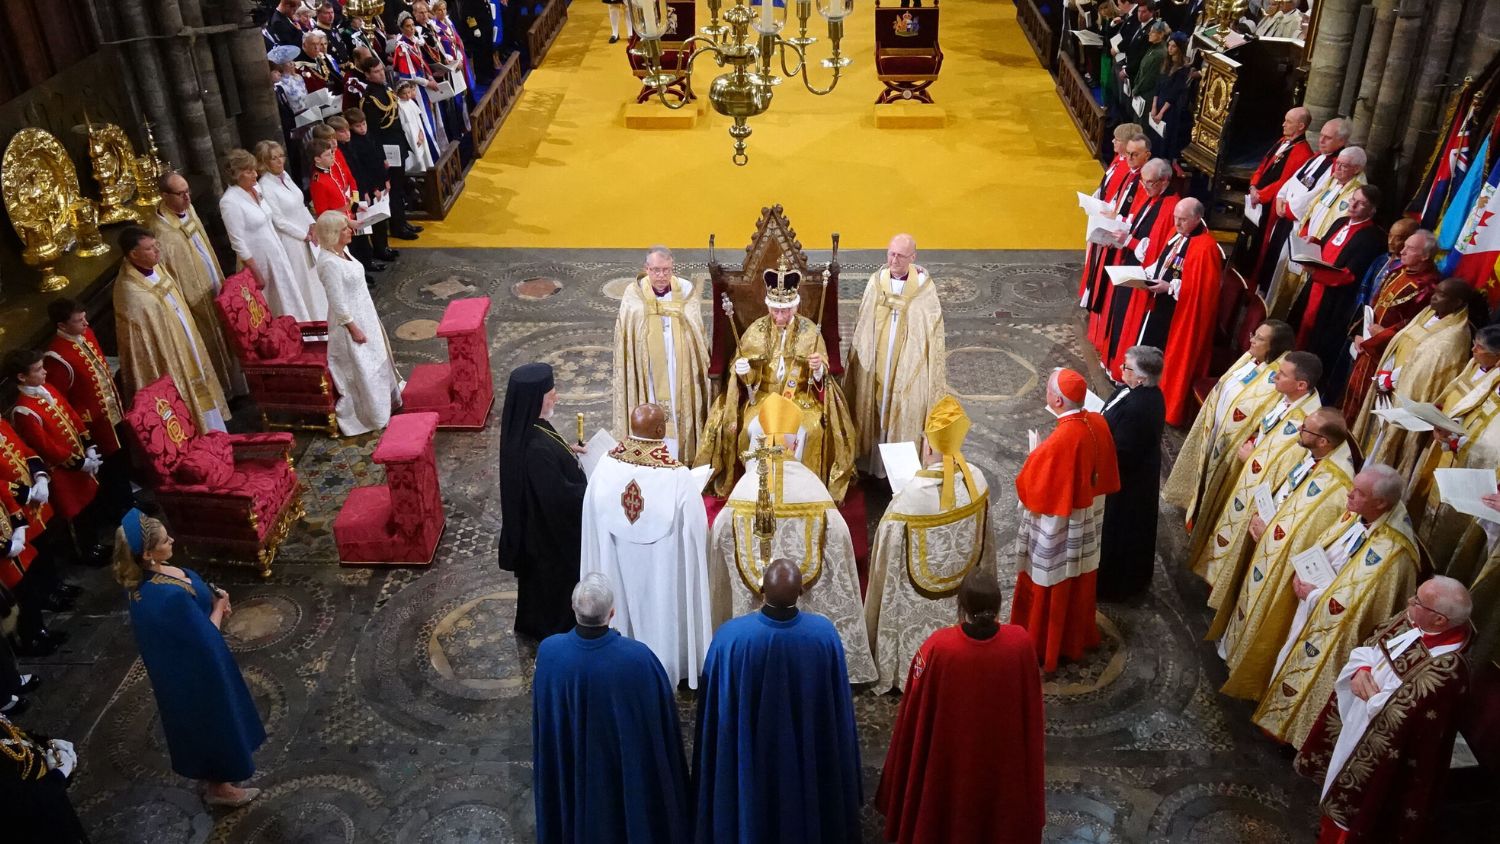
645, 528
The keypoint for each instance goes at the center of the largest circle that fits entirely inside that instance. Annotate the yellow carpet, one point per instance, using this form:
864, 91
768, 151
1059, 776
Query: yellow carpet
565, 172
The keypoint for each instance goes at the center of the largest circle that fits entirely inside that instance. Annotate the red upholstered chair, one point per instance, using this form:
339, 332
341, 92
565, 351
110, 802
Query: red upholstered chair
681, 24
461, 391
231, 495
907, 55
286, 370
400, 521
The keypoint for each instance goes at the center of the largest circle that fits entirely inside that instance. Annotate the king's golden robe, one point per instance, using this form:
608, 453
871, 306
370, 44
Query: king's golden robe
1429, 356
778, 365
198, 276
156, 340
1372, 585
644, 374
897, 367
1255, 625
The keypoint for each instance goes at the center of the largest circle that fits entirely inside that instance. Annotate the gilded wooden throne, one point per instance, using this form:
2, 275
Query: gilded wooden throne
744, 288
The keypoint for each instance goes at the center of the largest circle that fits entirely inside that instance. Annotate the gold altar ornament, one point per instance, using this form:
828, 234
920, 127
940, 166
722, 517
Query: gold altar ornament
149, 168
748, 41
114, 170
50, 216
367, 11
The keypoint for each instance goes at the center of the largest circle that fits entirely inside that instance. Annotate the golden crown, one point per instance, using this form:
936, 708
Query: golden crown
781, 286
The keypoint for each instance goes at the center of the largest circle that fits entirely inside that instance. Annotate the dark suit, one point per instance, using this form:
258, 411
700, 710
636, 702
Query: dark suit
384, 119
1128, 542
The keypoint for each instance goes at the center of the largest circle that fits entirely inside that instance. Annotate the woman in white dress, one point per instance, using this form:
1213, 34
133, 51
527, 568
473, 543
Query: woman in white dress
292, 221
289, 288
359, 356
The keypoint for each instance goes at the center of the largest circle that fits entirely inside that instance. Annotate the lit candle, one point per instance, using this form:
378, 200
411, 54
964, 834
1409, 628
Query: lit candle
766, 22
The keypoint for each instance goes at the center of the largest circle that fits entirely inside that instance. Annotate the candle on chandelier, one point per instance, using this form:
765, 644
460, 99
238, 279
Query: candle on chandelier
767, 23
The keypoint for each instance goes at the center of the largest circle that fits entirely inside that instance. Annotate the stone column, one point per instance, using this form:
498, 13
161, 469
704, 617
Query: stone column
257, 118
1369, 83
128, 18
188, 91
1325, 78
1429, 92
1406, 42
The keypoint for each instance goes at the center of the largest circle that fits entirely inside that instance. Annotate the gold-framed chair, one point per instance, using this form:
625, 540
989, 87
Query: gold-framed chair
907, 56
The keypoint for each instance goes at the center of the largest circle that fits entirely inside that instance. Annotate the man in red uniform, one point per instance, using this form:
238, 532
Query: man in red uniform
23, 475
1280, 162
1399, 294
1179, 319
51, 426
1061, 488
76, 369
973, 695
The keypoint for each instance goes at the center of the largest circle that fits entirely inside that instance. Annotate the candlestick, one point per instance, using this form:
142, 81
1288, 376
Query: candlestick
580, 429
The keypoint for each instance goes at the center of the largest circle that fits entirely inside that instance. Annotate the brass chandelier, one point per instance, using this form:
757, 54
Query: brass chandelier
748, 41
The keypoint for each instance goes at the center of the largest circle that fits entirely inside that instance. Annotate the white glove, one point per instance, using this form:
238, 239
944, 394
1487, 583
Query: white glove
61, 756
92, 464
1140, 249
17, 541
39, 490
742, 367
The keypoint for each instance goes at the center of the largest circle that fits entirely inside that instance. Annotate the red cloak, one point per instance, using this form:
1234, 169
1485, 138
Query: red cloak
1139, 301
1187, 352
966, 756
1128, 197
60, 437
1276, 168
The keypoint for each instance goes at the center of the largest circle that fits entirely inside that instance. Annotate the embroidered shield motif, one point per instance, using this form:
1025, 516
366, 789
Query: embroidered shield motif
1255, 466
918, 665
1238, 415
1239, 505
1307, 648
1278, 534
1313, 489
1289, 429
632, 502
1220, 541
1372, 558
1288, 691
1255, 574
1334, 607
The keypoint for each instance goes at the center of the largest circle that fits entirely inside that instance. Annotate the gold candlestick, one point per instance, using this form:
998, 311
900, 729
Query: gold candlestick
580, 429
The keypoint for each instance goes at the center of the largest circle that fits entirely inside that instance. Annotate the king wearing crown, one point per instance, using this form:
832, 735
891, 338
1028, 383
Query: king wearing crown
782, 354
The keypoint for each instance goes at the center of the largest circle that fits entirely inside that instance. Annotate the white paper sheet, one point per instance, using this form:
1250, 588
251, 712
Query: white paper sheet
1032, 440
1462, 490
1091, 205
1092, 403
1115, 42
1428, 413
445, 91
1401, 419
1157, 126
374, 213
456, 73
392, 155
1087, 38
901, 464
1314, 567
1309, 254
1253, 212
1265, 502
1124, 276
598, 445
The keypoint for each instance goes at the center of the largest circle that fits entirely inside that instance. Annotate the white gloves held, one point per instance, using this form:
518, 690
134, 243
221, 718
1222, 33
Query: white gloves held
17, 542
61, 756
40, 486
742, 367
91, 460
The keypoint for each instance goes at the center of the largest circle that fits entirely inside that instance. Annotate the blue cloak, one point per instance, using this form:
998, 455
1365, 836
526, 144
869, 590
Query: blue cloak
777, 755
209, 718
606, 745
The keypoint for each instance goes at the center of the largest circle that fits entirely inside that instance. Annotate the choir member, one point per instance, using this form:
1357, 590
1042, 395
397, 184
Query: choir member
1121, 310
1136, 416
1327, 204
1180, 317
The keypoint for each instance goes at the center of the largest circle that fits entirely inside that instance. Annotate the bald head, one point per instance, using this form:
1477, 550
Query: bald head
648, 422
900, 254
1296, 121
782, 584
1442, 604
1323, 431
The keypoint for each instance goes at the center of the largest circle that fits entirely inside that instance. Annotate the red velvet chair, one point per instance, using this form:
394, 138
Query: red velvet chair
286, 370
461, 391
400, 521
230, 495
907, 56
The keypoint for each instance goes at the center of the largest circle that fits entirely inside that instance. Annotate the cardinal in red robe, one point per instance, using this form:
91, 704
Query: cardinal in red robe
966, 757
1181, 306
1061, 488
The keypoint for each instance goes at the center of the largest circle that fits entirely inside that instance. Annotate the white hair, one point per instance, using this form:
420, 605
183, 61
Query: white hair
1353, 155
329, 227
908, 238
314, 35
659, 250
1341, 127
1156, 168
1052, 387
593, 600
1452, 601
1388, 483
1147, 362
1429, 242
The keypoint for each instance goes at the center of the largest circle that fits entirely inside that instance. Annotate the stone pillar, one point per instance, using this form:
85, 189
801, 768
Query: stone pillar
224, 133
1325, 78
1406, 42
1428, 93
128, 18
1369, 83
257, 118
188, 92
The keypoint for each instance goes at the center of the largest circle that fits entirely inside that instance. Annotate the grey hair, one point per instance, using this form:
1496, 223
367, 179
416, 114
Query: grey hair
1156, 168
328, 227
1388, 484
1489, 338
1343, 128
593, 600
1453, 600
1429, 242
660, 250
314, 35
1146, 361
1159, 26
1353, 155
1052, 385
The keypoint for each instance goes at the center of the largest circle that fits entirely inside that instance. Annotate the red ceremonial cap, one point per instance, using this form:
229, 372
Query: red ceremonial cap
1071, 385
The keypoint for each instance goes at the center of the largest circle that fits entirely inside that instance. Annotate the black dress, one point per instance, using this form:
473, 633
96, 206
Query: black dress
1127, 546
543, 550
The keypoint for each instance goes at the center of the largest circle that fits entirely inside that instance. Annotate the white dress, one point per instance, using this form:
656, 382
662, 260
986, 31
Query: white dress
413, 123
291, 219
365, 373
290, 288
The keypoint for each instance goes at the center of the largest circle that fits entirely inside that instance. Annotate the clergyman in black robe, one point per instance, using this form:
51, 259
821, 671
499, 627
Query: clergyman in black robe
1136, 414
541, 504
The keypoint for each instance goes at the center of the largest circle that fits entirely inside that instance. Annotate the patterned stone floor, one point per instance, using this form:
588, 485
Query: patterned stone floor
397, 701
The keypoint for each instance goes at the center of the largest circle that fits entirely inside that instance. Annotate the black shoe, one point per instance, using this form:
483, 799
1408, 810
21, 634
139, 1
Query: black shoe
70, 590
30, 683
404, 234
413, 228
388, 254
613, 38
376, 267
15, 706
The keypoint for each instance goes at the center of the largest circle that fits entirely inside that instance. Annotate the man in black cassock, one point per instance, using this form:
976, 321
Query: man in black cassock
1136, 414
541, 504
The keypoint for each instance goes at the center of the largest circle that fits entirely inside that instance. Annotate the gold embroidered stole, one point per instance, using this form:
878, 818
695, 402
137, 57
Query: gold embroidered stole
887, 301
919, 564
656, 347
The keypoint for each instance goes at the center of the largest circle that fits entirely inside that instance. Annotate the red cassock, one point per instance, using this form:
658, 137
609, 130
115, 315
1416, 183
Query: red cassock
1127, 306
1069, 470
329, 192
1096, 257
1277, 167
1401, 295
1187, 353
76, 368
60, 437
965, 762
19, 466
12, 569
1341, 237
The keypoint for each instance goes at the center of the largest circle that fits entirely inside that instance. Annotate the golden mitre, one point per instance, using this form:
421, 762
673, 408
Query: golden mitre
779, 415
947, 426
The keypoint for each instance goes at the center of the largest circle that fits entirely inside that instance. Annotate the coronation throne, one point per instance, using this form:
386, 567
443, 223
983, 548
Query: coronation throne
676, 53
743, 288
285, 368
907, 55
234, 495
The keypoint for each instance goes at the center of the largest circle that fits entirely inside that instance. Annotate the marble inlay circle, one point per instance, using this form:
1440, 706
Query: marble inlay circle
583, 373
536, 289
615, 288
417, 329
466, 644
261, 621
312, 821
988, 373
467, 822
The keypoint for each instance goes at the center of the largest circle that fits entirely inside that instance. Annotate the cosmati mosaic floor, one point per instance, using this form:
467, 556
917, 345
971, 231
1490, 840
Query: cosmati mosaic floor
397, 701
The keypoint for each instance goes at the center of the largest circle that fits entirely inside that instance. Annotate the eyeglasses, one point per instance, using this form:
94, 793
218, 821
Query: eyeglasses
1306, 430
659, 270
183, 192
1125, 367
1414, 601
900, 255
